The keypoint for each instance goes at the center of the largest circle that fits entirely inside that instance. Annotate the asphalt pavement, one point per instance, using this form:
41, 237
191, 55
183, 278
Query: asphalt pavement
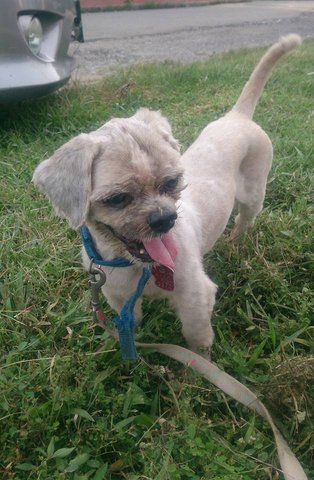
119, 39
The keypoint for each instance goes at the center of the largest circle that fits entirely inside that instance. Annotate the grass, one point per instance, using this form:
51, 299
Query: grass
69, 408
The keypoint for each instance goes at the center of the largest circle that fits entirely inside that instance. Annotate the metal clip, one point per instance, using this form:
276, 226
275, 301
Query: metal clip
95, 287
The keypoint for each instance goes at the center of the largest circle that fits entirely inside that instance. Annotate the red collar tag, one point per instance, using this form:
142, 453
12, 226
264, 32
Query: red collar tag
163, 277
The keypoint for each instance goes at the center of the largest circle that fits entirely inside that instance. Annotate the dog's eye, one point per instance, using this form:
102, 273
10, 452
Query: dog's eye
170, 185
119, 200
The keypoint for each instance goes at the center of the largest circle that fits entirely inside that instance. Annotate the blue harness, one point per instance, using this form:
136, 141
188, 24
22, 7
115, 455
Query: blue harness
124, 322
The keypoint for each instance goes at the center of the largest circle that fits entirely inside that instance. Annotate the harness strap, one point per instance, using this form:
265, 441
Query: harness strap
125, 322
95, 256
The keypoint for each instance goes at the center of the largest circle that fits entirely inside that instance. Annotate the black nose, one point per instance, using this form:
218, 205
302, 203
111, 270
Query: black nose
162, 221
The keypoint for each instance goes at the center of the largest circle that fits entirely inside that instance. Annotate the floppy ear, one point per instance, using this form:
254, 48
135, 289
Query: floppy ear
159, 123
66, 178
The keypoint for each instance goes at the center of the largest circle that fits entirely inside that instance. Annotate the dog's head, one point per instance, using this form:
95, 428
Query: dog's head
124, 180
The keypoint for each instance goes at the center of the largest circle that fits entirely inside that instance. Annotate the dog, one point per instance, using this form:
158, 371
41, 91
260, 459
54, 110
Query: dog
143, 201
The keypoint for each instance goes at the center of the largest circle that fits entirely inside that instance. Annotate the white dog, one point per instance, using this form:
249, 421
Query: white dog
142, 201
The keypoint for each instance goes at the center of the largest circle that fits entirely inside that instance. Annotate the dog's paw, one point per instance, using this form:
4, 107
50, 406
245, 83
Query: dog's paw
238, 230
235, 235
202, 351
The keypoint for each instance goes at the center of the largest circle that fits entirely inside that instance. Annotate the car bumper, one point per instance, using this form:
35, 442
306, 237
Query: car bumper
38, 79
22, 73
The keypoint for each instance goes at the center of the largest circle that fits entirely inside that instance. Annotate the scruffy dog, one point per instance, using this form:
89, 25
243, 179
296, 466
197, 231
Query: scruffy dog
143, 201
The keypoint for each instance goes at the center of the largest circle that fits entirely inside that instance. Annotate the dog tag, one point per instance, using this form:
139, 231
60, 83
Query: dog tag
100, 315
163, 277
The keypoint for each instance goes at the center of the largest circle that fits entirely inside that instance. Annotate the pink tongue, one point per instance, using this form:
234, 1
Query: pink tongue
162, 249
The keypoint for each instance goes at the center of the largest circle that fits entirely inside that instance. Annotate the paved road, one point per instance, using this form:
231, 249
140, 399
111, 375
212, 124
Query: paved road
119, 39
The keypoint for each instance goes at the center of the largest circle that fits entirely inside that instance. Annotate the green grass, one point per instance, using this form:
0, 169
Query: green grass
69, 408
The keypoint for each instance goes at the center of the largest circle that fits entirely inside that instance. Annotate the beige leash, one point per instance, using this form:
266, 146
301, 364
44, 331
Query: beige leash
290, 466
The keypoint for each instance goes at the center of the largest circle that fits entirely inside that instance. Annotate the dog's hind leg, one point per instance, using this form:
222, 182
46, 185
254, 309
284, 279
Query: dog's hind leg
251, 184
245, 218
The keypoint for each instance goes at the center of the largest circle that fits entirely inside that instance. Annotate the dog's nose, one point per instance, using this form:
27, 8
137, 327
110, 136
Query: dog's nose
162, 221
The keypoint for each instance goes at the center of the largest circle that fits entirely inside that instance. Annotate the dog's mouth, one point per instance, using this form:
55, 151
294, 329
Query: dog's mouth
137, 249
158, 249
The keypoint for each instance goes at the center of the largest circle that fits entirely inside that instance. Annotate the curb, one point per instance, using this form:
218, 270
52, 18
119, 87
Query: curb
113, 5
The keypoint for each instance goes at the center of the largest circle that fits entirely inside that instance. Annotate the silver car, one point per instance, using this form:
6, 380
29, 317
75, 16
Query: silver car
34, 42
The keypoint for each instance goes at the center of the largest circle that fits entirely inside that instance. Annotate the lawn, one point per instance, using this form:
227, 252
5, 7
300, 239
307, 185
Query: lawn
69, 407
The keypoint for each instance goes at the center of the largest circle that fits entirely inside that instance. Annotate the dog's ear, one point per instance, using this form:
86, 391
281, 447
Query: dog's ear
66, 178
159, 124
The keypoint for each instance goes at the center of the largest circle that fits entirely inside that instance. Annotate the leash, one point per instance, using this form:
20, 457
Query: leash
290, 466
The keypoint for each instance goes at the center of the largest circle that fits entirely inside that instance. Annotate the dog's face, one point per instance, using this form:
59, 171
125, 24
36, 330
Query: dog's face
124, 180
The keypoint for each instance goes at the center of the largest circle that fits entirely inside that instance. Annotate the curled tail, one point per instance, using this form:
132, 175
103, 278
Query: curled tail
254, 87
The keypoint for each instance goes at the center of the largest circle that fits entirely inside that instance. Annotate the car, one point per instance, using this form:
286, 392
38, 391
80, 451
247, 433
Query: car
35, 36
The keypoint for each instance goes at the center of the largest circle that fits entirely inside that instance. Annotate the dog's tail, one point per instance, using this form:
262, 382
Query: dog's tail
254, 87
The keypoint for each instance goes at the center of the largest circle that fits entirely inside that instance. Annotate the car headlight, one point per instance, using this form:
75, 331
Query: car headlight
35, 35
33, 32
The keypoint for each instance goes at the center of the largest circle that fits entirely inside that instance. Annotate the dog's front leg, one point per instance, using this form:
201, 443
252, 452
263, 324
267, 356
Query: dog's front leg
194, 303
